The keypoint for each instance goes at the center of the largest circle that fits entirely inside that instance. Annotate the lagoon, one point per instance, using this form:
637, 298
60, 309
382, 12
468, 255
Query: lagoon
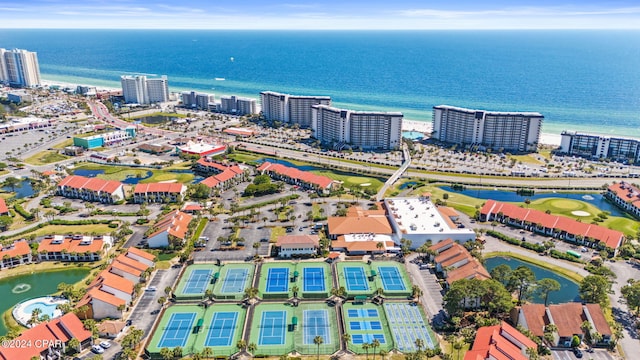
568, 289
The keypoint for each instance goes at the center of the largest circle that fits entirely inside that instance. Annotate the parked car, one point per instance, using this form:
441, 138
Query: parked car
578, 353
105, 344
97, 349
151, 288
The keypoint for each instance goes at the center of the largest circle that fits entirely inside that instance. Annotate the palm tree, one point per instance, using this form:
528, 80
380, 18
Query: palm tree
374, 344
419, 344
365, 347
166, 353
346, 337
241, 344
383, 354
252, 348
207, 353
318, 340
74, 344
256, 246
250, 293
295, 290
532, 353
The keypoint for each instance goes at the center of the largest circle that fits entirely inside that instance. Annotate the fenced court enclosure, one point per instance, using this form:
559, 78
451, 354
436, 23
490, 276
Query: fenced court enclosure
407, 323
195, 281
360, 279
311, 279
366, 322
234, 279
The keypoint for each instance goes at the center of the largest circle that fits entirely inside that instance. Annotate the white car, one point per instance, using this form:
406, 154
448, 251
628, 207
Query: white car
105, 344
97, 349
151, 288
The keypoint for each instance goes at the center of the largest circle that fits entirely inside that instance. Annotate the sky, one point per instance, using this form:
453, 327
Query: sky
321, 14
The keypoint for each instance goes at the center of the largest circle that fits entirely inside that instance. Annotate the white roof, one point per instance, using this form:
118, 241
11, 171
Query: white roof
419, 216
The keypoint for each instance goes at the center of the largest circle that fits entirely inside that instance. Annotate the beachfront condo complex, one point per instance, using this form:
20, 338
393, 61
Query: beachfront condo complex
19, 67
500, 131
593, 146
373, 130
291, 109
141, 90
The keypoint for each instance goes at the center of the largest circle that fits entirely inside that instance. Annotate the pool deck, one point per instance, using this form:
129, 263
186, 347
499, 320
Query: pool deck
22, 317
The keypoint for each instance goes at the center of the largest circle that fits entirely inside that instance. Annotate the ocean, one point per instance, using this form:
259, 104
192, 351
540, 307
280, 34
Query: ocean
579, 80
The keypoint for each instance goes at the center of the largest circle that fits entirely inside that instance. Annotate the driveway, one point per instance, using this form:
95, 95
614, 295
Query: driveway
431, 290
141, 316
598, 354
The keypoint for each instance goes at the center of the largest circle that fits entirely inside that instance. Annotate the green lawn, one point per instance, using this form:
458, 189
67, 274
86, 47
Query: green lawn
276, 232
528, 159
120, 173
99, 229
45, 157
462, 203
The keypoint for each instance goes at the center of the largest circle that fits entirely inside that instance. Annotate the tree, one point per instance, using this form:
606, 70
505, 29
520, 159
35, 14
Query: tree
365, 347
631, 294
12, 182
375, 344
250, 292
383, 354
166, 353
241, 344
256, 246
532, 353
207, 352
252, 347
346, 337
520, 280
74, 344
295, 290
318, 340
501, 273
545, 286
594, 289
575, 341
457, 345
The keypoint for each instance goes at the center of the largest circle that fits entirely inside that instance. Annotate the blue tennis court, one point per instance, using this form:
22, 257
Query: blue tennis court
391, 278
359, 339
177, 330
272, 328
355, 278
278, 280
223, 327
365, 325
313, 279
197, 281
362, 313
234, 281
316, 323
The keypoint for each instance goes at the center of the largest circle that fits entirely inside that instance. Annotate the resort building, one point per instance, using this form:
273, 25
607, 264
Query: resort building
500, 342
15, 254
361, 232
202, 148
238, 105
73, 247
568, 319
19, 68
49, 340
110, 292
297, 245
169, 229
91, 189
369, 130
419, 220
242, 132
4, 210
559, 227
594, 147
290, 109
159, 193
456, 263
304, 179
500, 131
24, 124
106, 139
141, 90
626, 197
196, 100
224, 175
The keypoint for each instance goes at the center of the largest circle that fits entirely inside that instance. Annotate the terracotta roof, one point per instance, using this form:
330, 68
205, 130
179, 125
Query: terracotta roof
44, 334
3, 207
17, 249
499, 342
534, 315
111, 327
471, 270
159, 188
114, 281
72, 246
175, 223
352, 246
192, 207
454, 251
122, 258
455, 258
567, 317
48, 173
334, 255
211, 164
359, 225
627, 192
293, 173
126, 268
93, 184
599, 321
442, 245
104, 296
608, 237
446, 211
141, 253
298, 240
211, 181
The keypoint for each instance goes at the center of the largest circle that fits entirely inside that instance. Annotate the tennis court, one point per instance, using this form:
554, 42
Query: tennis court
407, 324
177, 330
197, 281
391, 278
234, 281
222, 330
278, 280
360, 339
316, 323
355, 278
365, 325
272, 328
313, 279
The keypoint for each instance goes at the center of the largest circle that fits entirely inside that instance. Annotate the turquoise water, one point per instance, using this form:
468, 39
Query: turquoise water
412, 135
47, 309
568, 291
584, 80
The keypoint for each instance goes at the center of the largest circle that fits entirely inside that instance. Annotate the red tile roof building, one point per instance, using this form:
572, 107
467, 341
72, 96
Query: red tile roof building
224, 176
500, 342
18, 253
626, 197
359, 221
290, 175
550, 225
91, 189
297, 245
4, 210
158, 192
73, 248
568, 319
48, 339
457, 263
174, 224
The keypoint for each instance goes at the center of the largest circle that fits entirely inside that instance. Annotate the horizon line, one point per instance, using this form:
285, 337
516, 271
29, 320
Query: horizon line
320, 29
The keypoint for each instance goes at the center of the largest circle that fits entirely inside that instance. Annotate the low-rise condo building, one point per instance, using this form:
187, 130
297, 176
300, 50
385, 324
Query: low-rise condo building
15, 254
625, 196
238, 105
303, 179
170, 228
196, 100
159, 192
73, 247
91, 189
297, 245
500, 342
367, 130
456, 263
593, 146
480, 129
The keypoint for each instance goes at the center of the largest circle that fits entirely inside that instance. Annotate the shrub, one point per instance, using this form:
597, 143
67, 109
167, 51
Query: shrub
24, 213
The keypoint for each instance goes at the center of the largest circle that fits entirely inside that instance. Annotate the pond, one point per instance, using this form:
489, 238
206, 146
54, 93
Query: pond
290, 164
23, 190
407, 184
87, 173
594, 199
133, 179
18, 288
568, 289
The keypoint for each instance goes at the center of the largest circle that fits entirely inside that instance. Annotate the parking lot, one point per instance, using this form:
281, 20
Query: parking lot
597, 354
